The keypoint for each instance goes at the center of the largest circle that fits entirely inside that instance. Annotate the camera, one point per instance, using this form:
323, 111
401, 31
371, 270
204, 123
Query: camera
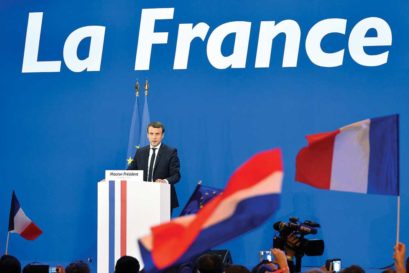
333, 265
291, 239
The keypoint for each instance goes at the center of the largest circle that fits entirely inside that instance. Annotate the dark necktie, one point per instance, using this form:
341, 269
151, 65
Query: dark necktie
150, 174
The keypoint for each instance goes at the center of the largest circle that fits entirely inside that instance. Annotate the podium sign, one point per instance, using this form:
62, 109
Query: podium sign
127, 208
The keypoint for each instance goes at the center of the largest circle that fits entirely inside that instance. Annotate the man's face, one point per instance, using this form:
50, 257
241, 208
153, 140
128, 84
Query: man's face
155, 136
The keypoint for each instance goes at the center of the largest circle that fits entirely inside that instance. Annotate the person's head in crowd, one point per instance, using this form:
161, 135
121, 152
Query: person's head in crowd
353, 269
264, 267
9, 264
77, 267
127, 264
209, 263
235, 268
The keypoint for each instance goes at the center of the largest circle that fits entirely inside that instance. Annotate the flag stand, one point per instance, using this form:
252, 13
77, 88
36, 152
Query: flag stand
7, 243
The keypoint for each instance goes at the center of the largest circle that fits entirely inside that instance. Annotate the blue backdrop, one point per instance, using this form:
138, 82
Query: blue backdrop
61, 130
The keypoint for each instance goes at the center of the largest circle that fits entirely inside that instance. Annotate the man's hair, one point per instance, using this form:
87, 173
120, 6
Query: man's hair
77, 267
353, 269
156, 124
127, 264
9, 264
209, 263
263, 266
236, 268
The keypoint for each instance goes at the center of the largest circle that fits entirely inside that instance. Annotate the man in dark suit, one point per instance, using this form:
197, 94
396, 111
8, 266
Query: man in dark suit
159, 162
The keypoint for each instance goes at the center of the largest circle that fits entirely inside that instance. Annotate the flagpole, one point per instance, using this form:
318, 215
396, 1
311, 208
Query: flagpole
398, 201
146, 87
398, 221
7, 243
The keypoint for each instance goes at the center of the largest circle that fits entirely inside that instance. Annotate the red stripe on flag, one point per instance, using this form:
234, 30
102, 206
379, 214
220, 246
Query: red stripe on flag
123, 218
31, 232
314, 162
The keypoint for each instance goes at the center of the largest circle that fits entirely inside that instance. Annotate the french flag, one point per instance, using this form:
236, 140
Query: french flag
250, 198
20, 223
362, 157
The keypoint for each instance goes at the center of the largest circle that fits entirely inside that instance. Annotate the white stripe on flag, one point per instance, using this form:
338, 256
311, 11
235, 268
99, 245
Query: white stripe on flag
21, 221
350, 161
103, 227
117, 220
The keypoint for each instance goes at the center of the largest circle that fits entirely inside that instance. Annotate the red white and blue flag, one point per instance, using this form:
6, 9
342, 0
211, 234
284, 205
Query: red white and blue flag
20, 223
362, 157
250, 198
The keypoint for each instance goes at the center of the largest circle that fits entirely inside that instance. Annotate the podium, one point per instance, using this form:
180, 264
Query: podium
127, 208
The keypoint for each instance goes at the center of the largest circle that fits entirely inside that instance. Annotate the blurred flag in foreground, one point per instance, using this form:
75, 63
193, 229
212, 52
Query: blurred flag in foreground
20, 223
362, 157
250, 198
200, 197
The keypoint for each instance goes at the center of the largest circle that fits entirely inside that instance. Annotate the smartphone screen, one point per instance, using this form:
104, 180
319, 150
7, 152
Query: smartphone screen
336, 265
265, 255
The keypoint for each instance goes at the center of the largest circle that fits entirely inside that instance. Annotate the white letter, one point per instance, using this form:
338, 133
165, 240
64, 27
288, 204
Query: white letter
186, 34
314, 38
148, 36
241, 42
357, 41
268, 31
93, 61
30, 59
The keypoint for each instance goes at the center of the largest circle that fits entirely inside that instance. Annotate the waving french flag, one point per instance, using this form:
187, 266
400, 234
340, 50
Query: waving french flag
362, 157
250, 198
20, 223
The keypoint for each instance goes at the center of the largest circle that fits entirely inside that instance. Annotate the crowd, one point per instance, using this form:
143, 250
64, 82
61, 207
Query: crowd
206, 263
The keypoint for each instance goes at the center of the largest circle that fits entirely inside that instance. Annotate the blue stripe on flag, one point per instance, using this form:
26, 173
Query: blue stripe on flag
383, 156
111, 255
146, 258
249, 214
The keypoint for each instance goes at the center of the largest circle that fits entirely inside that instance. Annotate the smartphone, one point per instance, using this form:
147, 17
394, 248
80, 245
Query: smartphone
265, 255
333, 265
52, 269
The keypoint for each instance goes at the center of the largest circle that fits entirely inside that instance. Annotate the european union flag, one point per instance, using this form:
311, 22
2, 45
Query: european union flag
135, 131
144, 123
200, 196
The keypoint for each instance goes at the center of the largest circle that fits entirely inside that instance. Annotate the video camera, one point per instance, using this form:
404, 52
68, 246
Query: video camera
291, 239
